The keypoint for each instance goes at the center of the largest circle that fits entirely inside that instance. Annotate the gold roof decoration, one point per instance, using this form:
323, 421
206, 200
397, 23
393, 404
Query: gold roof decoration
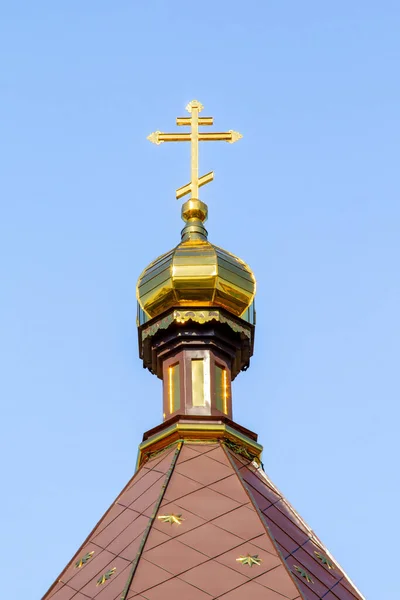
195, 273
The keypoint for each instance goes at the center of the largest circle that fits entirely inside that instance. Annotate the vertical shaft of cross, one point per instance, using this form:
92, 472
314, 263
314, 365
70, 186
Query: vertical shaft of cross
194, 185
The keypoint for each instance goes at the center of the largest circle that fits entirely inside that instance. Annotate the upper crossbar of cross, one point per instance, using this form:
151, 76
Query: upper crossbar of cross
194, 137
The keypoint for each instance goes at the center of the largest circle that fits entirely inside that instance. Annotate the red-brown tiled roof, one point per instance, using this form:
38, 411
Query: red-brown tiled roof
198, 521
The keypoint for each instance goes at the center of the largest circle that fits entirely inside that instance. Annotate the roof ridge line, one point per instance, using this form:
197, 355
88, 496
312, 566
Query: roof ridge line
58, 579
259, 513
314, 537
146, 532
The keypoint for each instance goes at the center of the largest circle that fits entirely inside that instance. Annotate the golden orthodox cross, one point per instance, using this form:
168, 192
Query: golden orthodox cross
194, 137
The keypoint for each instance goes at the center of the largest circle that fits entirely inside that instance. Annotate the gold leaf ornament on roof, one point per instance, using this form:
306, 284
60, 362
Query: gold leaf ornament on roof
172, 519
250, 560
303, 573
325, 560
83, 560
106, 576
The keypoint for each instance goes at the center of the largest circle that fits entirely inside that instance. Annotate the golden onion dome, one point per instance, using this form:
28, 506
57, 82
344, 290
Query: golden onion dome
196, 273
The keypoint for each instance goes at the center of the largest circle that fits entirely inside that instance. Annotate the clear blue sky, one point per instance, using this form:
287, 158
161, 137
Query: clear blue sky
309, 198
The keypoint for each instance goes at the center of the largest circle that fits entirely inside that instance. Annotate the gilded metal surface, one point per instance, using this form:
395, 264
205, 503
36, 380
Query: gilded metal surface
174, 388
107, 575
197, 432
194, 137
82, 561
198, 382
196, 273
221, 388
177, 519
250, 560
194, 209
162, 324
198, 316
303, 573
225, 390
325, 560
243, 451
